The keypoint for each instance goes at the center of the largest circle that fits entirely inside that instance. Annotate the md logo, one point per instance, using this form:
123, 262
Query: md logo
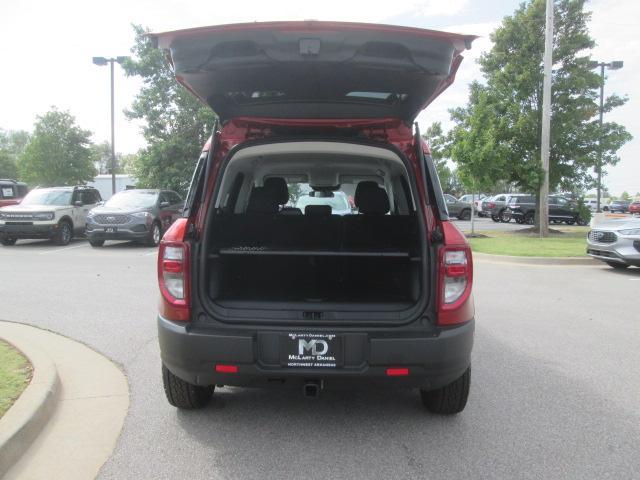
314, 347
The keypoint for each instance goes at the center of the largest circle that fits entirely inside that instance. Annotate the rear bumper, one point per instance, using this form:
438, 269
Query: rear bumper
433, 361
28, 231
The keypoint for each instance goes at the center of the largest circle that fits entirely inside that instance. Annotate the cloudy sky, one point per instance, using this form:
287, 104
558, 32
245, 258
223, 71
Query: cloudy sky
46, 49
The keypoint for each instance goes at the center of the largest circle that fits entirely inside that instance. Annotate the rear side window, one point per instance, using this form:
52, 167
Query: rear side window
174, 198
89, 197
7, 192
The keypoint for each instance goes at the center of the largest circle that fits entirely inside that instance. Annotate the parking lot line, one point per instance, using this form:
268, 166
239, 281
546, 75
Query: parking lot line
84, 245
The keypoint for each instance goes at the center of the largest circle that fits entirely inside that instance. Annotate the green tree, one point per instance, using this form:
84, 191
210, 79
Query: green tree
625, 196
439, 146
58, 152
474, 147
176, 123
12, 144
498, 132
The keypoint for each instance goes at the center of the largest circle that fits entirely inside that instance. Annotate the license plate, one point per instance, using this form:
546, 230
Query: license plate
110, 230
311, 350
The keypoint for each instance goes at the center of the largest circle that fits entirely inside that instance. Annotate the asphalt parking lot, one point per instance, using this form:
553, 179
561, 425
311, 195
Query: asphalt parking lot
555, 383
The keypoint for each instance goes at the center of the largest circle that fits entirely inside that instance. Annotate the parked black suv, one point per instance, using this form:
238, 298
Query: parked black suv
258, 293
523, 209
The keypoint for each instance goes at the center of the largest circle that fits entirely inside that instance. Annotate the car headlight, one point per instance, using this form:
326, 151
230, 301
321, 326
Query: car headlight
43, 216
145, 215
631, 231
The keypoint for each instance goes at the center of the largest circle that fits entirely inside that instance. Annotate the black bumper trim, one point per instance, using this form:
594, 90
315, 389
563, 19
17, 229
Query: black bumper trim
433, 361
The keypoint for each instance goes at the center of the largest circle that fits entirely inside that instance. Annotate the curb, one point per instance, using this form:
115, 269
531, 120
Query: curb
535, 260
26, 418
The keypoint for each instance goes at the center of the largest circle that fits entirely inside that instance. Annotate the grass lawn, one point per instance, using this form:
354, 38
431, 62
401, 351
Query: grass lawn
15, 373
571, 243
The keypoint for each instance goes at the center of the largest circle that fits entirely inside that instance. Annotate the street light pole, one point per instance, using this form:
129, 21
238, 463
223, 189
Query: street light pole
615, 65
101, 61
113, 140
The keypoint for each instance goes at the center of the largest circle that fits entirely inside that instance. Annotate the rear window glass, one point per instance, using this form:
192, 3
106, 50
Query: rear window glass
7, 192
301, 195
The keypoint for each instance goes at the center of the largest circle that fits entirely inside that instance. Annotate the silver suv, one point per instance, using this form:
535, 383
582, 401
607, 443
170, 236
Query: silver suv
56, 213
616, 243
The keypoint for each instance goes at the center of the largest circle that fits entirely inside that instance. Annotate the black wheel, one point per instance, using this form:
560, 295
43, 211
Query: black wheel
495, 218
8, 241
182, 394
65, 233
96, 243
155, 234
465, 214
505, 216
618, 266
571, 221
529, 218
449, 399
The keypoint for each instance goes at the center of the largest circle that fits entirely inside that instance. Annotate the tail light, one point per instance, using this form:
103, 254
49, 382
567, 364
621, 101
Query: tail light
455, 278
173, 273
491, 205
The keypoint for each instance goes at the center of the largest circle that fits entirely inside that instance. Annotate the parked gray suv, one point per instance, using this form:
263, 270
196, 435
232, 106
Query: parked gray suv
141, 215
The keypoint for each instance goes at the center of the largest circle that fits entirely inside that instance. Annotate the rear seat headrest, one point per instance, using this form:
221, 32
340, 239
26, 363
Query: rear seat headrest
318, 210
371, 199
262, 201
278, 186
290, 211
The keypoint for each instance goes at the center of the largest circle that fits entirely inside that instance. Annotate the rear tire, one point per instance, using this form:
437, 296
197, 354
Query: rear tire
495, 218
618, 266
185, 395
571, 221
8, 241
450, 399
155, 234
529, 218
505, 216
64, 234
96, 243
465, 214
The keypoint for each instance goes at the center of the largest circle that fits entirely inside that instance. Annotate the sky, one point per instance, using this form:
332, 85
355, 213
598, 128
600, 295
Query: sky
46, 49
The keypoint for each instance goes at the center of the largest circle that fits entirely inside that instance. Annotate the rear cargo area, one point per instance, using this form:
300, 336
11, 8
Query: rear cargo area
267, 250
306, 259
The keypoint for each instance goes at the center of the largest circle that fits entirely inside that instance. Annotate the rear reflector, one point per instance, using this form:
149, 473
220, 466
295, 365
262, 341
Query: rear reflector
226, 368
397, 372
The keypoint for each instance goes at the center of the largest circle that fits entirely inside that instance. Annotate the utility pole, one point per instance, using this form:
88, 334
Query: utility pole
543, 213
615, 65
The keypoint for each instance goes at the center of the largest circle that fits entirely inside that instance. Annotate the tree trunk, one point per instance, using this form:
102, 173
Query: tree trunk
473, 213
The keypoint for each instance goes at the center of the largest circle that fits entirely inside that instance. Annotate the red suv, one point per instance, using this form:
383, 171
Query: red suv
11, 192
256, 291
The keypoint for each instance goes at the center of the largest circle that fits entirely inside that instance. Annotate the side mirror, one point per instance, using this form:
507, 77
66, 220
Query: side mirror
100, 203
164, 204
78, 203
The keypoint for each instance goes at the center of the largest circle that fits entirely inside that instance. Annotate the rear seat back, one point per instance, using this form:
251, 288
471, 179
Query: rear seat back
372, 229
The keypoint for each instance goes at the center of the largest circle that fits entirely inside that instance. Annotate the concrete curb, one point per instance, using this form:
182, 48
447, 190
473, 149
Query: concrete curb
567, 261
26, 418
